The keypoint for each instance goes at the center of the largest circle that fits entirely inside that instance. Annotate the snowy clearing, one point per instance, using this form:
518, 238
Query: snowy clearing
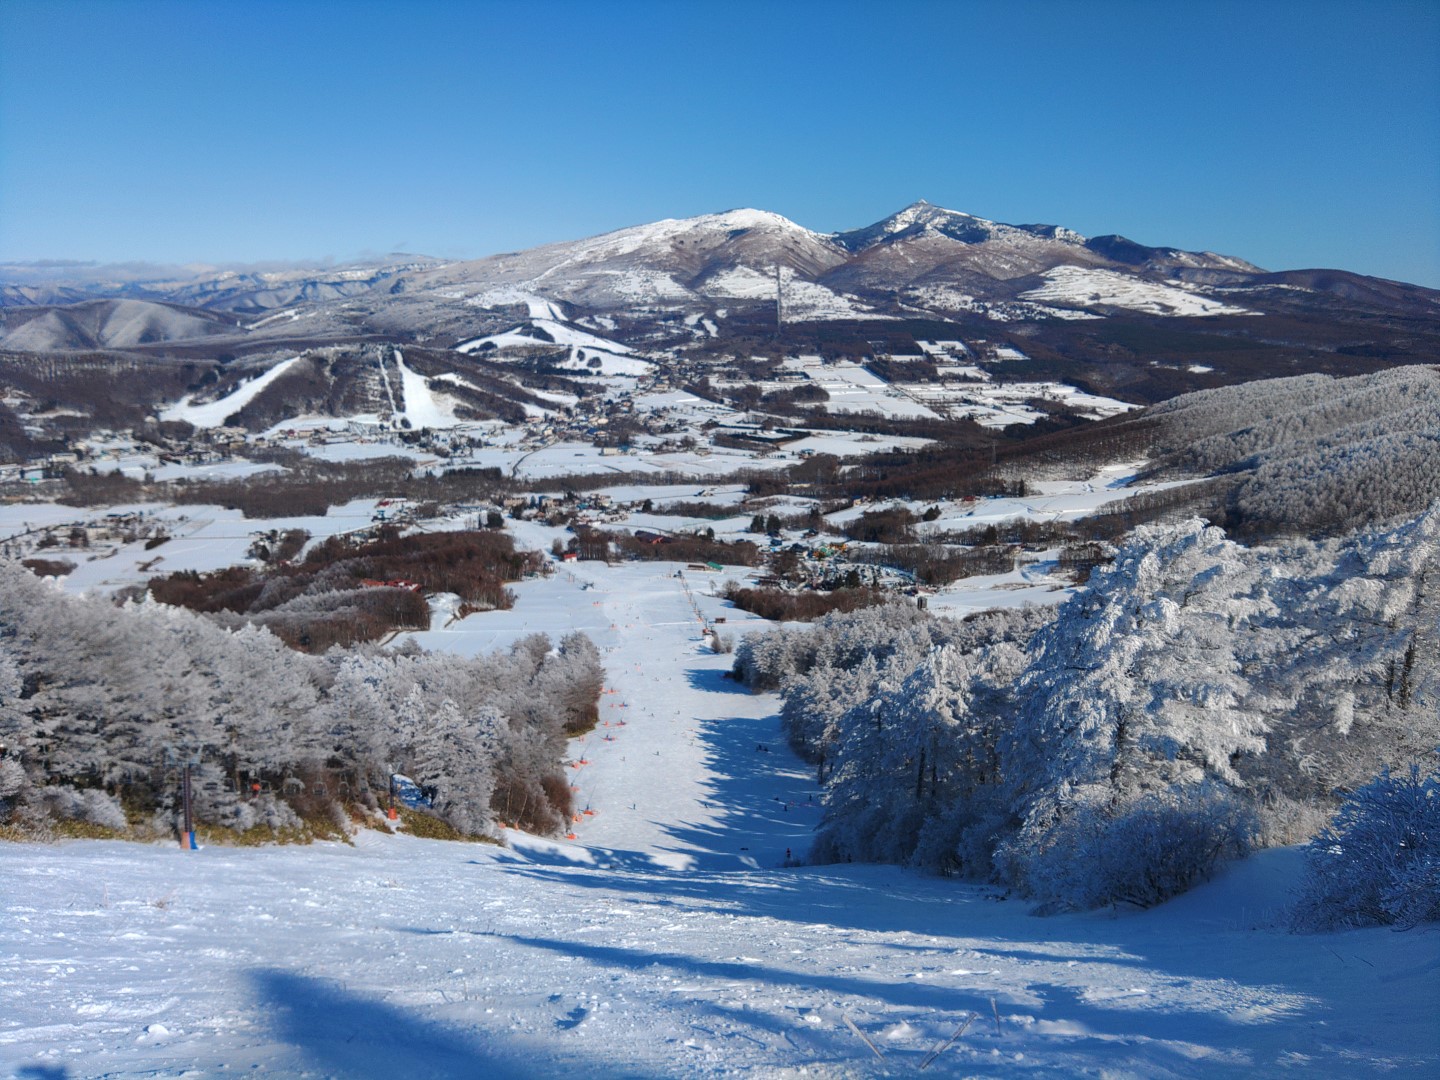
1083, 286
423, 408
558, 333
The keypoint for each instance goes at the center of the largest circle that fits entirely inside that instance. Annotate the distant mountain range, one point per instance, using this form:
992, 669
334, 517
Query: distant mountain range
753, 281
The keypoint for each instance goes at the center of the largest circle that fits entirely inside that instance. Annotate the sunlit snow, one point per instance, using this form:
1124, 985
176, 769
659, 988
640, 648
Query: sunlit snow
1081, 286
669, 939
215, 413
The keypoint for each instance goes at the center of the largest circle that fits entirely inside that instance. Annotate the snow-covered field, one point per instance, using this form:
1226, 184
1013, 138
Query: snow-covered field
202, 538
206, 538
669, 939
1086, 286
854, 388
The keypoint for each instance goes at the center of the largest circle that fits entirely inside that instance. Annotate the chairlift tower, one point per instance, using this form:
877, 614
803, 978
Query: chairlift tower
779, 298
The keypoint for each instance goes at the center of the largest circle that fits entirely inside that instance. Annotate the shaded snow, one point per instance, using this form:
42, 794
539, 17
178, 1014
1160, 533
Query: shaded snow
668, 939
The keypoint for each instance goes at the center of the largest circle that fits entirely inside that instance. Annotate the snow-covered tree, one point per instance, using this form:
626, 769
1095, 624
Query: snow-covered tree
455, 759
93, 694
1137, 685
1378, 862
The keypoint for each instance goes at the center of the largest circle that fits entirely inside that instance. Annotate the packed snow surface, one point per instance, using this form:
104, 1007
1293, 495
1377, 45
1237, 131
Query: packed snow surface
538, 307
669, 939
559, 334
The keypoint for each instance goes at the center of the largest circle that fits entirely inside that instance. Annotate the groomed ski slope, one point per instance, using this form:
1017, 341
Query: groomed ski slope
666, 940
215, 413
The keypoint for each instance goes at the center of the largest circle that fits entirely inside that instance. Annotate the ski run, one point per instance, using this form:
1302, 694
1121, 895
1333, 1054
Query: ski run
671, 937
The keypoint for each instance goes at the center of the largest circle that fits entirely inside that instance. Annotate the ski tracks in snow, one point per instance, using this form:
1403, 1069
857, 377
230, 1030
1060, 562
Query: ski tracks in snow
674, 773
664, 941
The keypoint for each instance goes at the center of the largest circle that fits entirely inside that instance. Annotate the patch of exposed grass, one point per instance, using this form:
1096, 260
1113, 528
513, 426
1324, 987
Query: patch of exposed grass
67, 829
255, 836
429, 827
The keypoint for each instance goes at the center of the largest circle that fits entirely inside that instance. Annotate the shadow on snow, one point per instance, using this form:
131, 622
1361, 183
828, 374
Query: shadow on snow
1153, 1047
347, 1035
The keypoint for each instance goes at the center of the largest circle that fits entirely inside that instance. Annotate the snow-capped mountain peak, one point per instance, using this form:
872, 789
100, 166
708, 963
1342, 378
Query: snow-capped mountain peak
662, 237
920, 218
921, 260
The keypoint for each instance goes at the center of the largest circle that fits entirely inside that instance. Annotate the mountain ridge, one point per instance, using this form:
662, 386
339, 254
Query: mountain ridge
727, 276
740, 236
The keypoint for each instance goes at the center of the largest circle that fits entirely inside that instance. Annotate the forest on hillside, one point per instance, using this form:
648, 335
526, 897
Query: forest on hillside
1199, 699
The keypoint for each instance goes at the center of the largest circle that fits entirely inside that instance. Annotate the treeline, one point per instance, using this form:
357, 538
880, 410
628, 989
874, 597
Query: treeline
18, 443
495, 389
302, 486
83, 392
352, 589
347, 380
935, 564
939, 471
1305, 456
1197, 700
603, 545
340, 380
803, 605
102, 706
692, 509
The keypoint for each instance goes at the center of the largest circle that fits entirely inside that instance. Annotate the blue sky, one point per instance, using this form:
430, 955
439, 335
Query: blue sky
1290, 134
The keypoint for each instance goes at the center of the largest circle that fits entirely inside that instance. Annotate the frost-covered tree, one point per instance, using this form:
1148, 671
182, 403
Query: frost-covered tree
1313, 454
1350, 659
455, 760
14, 727
1196, 697
93, 695
1378, 862
815, 702
1137, 685
1134, 700
838, 640
916, 763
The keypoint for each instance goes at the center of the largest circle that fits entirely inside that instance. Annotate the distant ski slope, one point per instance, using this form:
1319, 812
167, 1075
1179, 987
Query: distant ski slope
214, 413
